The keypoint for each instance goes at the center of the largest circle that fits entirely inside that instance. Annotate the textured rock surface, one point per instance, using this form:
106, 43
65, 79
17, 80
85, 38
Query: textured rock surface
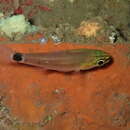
97, 99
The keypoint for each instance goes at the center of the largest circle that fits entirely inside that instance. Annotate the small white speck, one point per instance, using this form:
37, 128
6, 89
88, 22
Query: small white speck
55, 38
42, 40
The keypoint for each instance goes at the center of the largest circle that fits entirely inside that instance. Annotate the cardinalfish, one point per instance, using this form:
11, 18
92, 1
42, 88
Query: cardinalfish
63, 61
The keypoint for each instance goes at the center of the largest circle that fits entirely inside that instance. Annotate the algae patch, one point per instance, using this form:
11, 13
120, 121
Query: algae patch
14, 27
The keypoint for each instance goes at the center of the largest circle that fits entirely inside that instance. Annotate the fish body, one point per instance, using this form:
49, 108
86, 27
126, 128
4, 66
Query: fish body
65, 61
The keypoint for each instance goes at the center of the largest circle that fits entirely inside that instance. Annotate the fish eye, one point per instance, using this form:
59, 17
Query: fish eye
100, 62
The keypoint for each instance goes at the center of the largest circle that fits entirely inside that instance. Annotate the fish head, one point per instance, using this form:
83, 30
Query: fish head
97, 58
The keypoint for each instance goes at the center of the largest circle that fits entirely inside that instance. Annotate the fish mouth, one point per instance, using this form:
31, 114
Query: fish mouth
108, 59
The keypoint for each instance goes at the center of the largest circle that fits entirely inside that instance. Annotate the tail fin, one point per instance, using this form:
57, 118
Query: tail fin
5, 54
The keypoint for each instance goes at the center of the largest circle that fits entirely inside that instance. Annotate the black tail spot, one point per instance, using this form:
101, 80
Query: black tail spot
17, 57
